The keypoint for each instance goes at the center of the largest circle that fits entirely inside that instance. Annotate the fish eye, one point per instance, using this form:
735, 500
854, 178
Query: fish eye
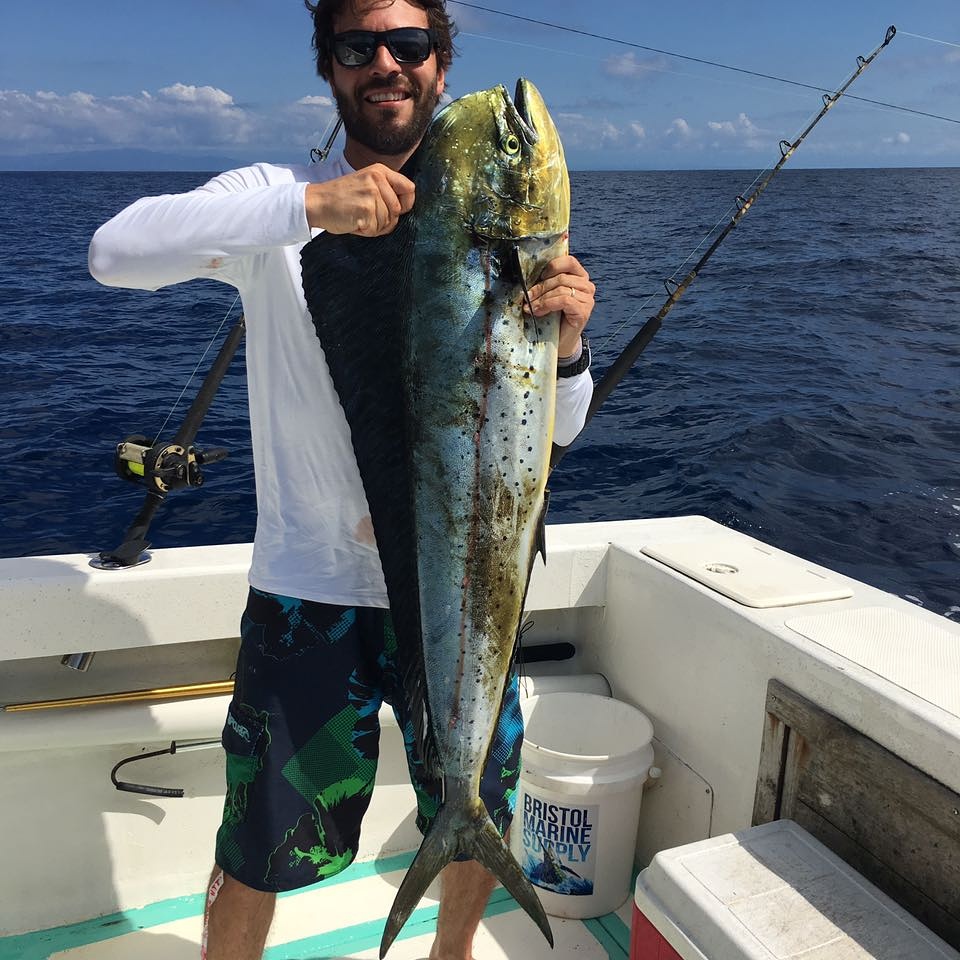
510, 144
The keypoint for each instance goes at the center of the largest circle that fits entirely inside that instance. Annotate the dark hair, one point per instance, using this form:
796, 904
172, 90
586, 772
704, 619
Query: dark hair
324, 11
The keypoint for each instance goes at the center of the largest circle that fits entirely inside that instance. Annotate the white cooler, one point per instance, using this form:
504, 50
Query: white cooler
772, 892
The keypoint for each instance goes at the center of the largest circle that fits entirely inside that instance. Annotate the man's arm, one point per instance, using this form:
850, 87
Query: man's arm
168, 239
204, 233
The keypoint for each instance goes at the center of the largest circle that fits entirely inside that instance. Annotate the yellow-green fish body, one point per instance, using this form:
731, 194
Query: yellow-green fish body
449, 389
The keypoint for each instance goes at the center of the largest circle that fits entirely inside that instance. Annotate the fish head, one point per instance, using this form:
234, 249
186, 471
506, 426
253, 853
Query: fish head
498, 163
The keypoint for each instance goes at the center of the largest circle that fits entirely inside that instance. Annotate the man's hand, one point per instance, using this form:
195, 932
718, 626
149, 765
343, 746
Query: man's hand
565, 286
368, 202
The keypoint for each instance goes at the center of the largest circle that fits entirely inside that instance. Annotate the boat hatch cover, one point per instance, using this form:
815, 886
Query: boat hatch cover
748, 572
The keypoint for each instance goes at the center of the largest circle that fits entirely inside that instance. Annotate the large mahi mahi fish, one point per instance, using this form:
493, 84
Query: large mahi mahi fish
449, 393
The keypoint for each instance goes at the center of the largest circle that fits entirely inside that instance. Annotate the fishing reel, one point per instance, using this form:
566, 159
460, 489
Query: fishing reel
164, 467
160, 468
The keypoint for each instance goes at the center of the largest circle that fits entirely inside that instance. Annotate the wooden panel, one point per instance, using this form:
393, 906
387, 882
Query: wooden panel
773, 754
894, 884
893, 823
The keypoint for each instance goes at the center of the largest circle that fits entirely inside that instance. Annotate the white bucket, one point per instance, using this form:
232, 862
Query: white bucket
585, 760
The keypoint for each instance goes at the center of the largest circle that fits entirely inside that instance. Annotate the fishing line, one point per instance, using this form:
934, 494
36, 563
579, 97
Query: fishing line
701, 60
529, 46
918, 113
639, 66
918, 36
628, 356
638, 46
176, 402
724, 218
721, 220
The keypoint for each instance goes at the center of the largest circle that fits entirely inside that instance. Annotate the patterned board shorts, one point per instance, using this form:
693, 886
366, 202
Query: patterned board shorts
302, 740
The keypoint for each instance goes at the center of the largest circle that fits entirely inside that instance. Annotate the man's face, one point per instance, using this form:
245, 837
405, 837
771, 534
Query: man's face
386, 106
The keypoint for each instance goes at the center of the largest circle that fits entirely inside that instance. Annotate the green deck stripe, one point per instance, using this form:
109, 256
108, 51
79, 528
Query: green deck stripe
612, 934
609, 931
367, 935
41, 943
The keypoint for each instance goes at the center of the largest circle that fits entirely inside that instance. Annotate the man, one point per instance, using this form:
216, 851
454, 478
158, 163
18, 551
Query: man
316, 638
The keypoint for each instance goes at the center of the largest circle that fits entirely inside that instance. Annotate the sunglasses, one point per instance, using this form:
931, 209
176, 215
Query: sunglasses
356, 48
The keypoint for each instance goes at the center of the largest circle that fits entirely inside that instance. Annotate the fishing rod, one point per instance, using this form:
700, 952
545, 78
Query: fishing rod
172, 466
619, 368
165, 467
162, 468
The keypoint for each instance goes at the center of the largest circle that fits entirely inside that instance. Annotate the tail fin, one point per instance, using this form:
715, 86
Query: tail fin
493, 853
469, 830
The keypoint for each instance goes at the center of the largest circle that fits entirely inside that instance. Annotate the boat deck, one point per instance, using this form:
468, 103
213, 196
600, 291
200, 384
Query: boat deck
339, 919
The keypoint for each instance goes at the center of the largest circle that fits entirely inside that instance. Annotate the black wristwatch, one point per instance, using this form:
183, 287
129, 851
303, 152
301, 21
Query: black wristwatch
579, 365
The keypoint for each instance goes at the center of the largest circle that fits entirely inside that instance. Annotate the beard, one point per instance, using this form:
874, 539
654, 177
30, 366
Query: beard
387, 135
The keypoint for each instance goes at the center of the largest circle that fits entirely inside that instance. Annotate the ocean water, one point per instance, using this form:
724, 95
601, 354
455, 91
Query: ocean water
806, 390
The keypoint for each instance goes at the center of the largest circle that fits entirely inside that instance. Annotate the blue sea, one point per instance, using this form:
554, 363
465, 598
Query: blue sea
806, 390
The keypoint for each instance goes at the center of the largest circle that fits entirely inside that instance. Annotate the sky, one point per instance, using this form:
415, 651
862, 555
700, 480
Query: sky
208, 84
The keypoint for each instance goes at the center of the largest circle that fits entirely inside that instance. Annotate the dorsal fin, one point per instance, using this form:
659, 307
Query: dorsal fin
358, 291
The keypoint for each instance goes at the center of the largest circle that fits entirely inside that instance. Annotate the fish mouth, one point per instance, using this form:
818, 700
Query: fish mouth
519, 108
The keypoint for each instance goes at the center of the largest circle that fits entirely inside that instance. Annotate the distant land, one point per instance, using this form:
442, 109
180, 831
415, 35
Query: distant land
110, 161
150, 161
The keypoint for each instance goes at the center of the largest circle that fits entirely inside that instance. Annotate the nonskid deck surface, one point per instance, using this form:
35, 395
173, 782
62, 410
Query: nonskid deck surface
336, 920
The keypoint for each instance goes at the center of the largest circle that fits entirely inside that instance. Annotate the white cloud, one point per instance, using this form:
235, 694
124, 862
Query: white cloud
177, 117
628, 66
580, 130
742, 130
679, 129
82, 99
722, 127
315, 102
639, 131
204, 96
900, 140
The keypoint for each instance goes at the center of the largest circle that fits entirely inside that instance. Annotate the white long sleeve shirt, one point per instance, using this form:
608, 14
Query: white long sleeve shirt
246, 227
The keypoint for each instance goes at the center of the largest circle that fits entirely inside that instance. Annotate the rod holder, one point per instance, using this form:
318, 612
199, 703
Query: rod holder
77, 661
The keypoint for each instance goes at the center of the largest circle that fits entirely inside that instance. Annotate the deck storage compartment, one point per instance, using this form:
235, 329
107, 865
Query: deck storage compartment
772, 892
